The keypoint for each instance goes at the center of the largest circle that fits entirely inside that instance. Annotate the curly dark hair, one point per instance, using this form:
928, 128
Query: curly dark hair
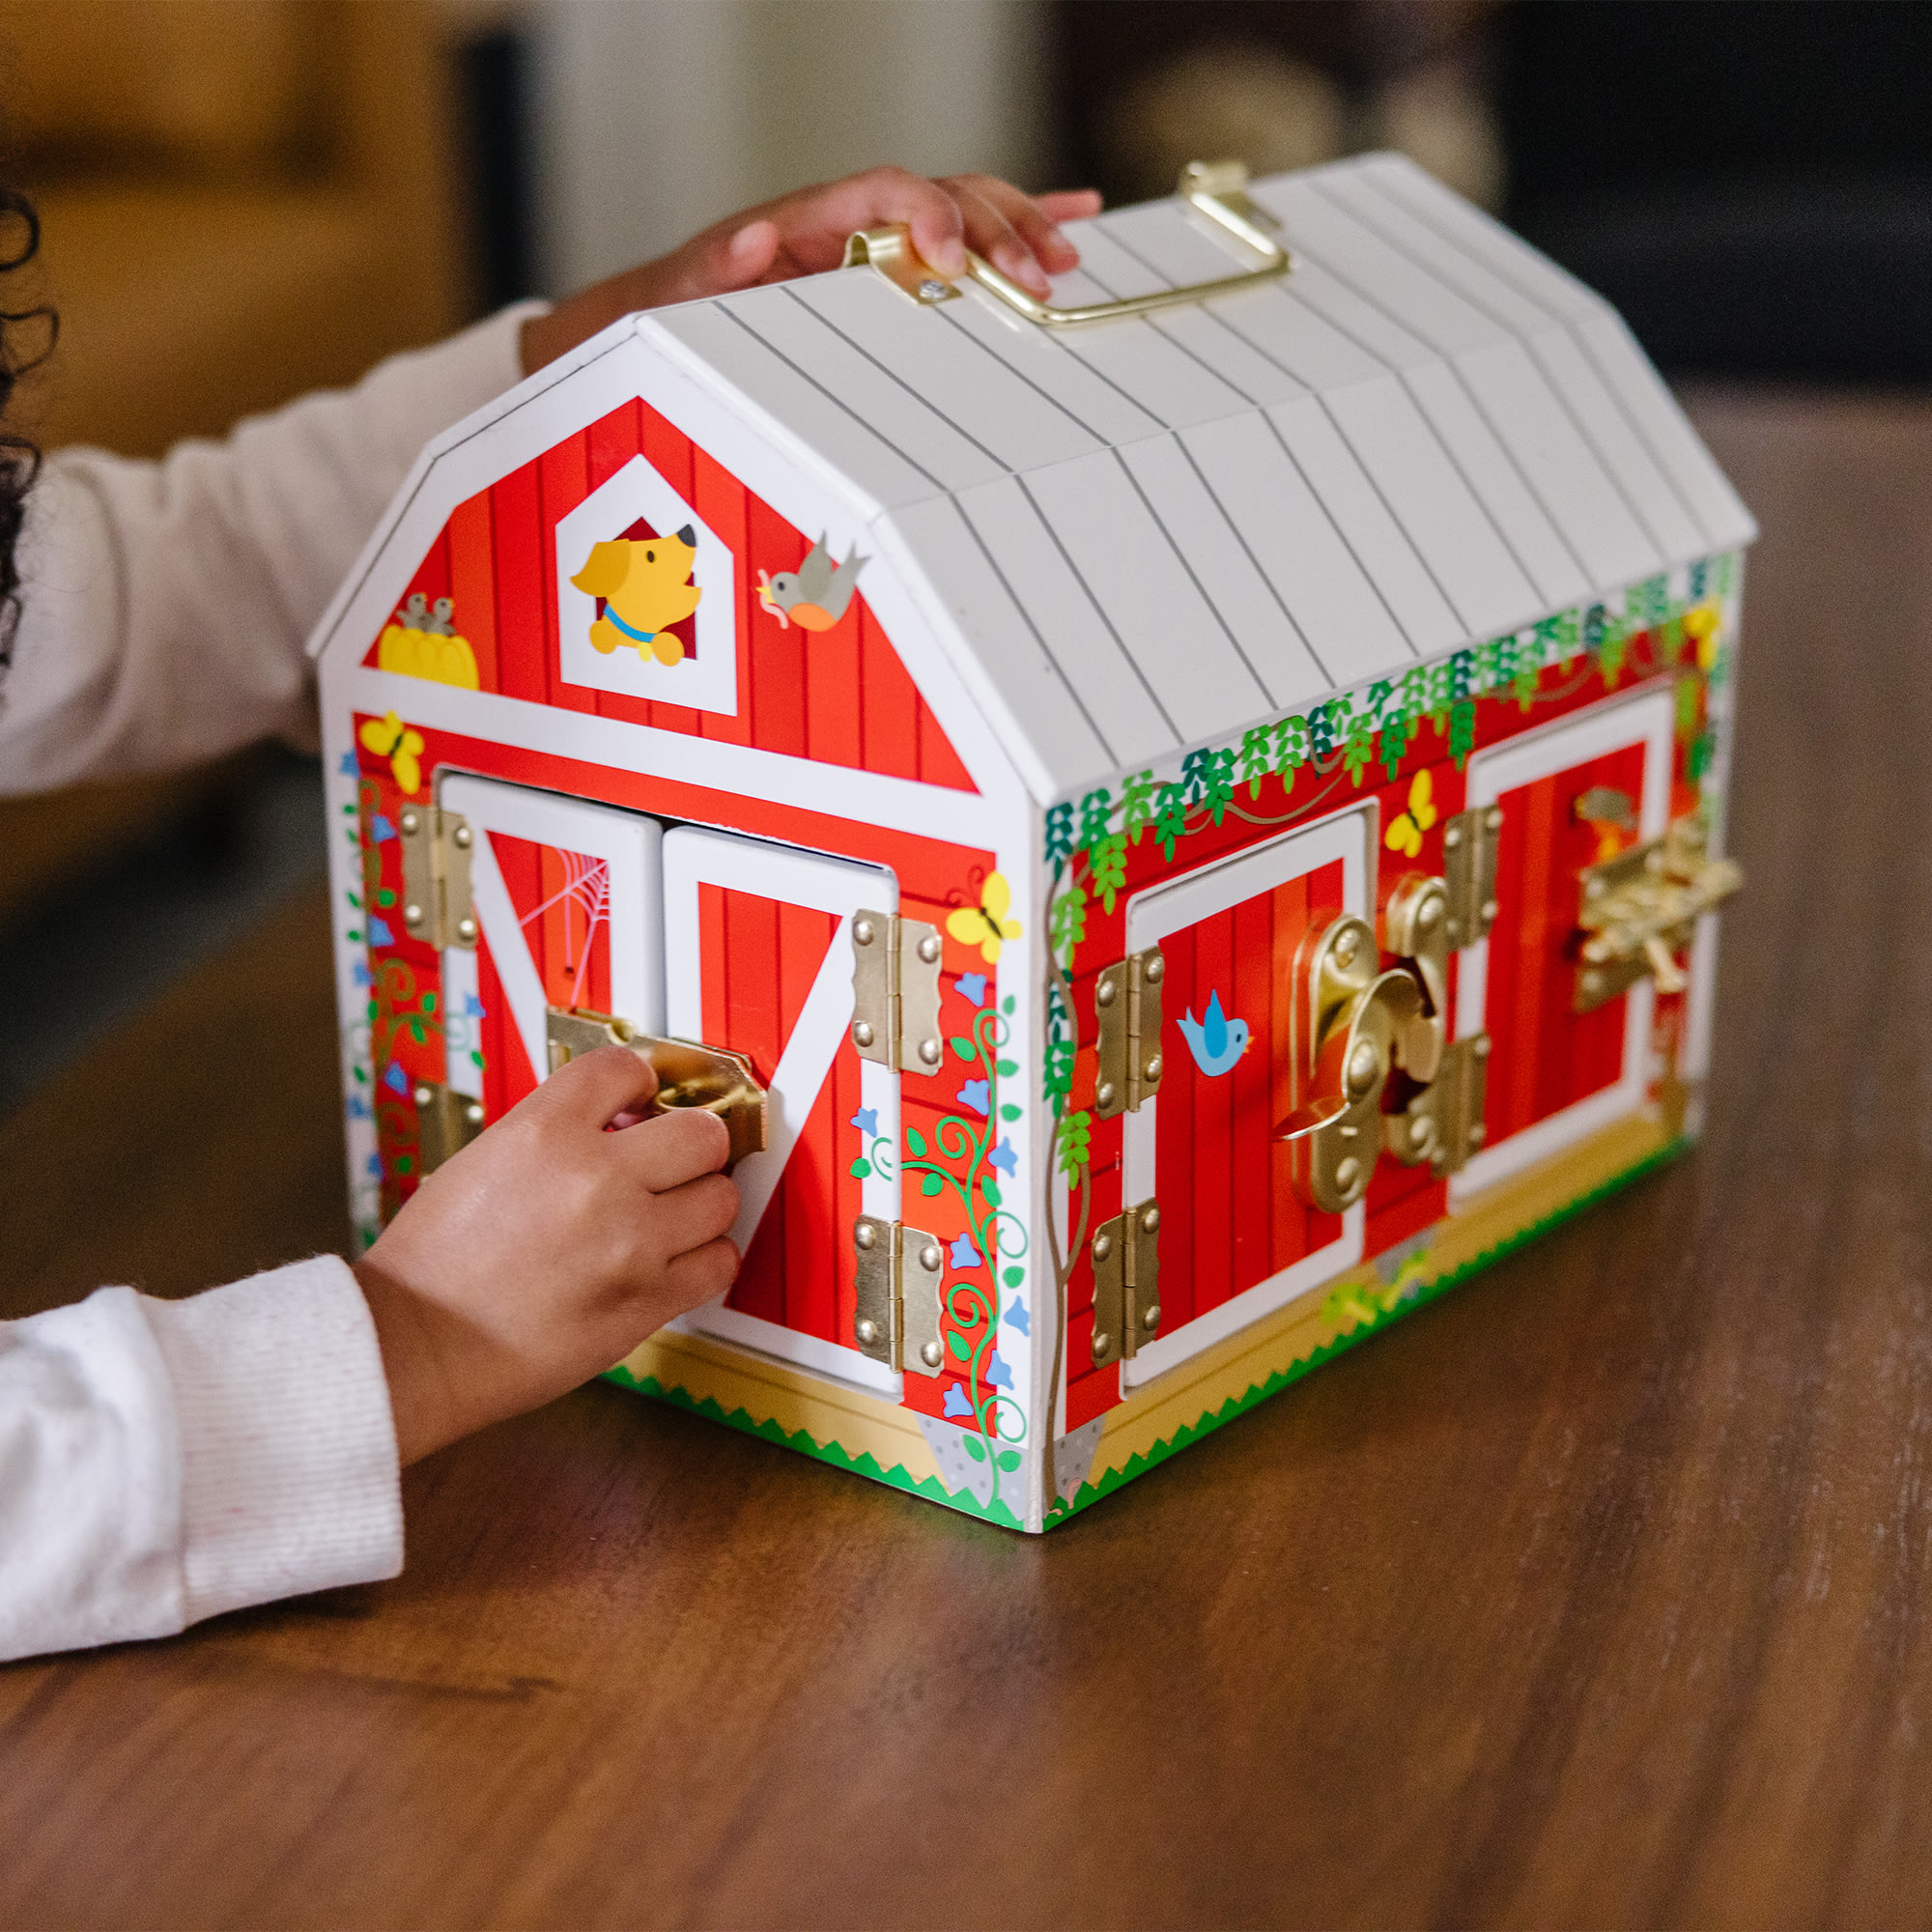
19, 455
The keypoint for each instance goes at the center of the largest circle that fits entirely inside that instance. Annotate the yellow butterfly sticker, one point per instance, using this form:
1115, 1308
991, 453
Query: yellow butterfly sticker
1405, 832
986, 923
388, 737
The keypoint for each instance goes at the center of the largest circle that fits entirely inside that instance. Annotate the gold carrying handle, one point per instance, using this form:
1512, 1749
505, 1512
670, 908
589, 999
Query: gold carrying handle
1217, 189
689, 1074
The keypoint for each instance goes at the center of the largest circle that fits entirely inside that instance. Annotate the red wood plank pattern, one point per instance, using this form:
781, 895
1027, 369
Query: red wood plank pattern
472, 584
564, 481
516, 520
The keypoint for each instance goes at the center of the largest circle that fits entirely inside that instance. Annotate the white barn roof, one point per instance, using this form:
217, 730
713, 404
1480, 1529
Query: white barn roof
1153, 532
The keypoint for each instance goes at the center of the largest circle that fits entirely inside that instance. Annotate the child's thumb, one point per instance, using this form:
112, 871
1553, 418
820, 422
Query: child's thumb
595, 1087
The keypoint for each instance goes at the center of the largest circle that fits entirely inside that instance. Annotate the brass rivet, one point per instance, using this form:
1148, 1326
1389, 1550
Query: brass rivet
1347, 1173
862, 1033
409, 821
466, 928
1452, 839
474, 1114
1103, 994
1153, 1069
1364, 1064
1419, 1132
1480, 1046
929, 948
1428, 912
865, 1234
1345, 945
423, 1096
1495, 821
928, 1052
1150, 1220
1103, 1246
1155, 970
1152, 1319
463, 838
868, 1332
862, 932
1478, 1134
932, 1355
1103, 1346
1489, 909
413, 915
1103, 1094
932, 289
929, 1257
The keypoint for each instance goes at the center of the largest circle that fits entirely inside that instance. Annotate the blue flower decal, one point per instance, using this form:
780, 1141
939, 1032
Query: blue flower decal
360, 975
472, 1008
974, 1095
358, 1108
1004, 1158
999, 1375
956, 1404
380, 934
867, 1120
973, 986
395, 1079
964, 1254
375, 1167
380, 830
347, 767
1018, 1315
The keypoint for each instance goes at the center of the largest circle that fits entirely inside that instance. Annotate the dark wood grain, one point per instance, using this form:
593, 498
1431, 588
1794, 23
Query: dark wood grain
1596, 1593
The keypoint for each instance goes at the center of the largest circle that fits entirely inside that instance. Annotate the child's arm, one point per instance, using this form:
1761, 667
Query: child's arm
163, 1462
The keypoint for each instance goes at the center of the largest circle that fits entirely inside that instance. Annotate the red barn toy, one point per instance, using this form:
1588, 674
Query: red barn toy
1173, 827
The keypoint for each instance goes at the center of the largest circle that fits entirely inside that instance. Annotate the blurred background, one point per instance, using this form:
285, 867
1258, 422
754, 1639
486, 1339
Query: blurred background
244, 199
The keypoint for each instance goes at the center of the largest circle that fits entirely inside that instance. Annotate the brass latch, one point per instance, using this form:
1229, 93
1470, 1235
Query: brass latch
900, 1271
436, 875
1357, 1027
1127, 1282
1126, 1001
689, 1073
1470, 872
446, 1122
896, 991
1641, 910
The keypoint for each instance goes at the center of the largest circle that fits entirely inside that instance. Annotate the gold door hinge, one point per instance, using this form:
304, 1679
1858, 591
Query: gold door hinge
900, 1271
437, 907
1126, 1001
446, 1122
689, 1073
1641, 910
896, 991
1127, 1282
1470, 872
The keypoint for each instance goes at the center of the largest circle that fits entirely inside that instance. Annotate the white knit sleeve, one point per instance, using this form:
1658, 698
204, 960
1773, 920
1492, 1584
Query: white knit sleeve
164, 605
162, 1462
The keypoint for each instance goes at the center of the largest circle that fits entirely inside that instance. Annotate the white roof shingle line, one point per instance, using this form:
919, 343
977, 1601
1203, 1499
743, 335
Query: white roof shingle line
1504, 262
1235, 529
886, 369
1194, 577
1341, 535
945, 311
1482, 508
1563, 401
837, 402
1099, 611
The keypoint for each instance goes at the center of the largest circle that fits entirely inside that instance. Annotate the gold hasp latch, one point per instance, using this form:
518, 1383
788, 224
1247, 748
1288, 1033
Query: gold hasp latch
1641, 910
901, 1271
689, 1073
1127, 1282
1126, 1003
446, 1122
437, 907
896, 991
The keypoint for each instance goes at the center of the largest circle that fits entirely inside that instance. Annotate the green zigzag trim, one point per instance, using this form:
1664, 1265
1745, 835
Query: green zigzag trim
1089, 1493
806, 1444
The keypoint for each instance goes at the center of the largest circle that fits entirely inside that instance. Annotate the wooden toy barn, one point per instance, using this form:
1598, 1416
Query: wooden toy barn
1171, 837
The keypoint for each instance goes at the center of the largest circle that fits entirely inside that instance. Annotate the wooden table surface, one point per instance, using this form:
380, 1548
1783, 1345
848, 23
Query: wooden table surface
1596, 1593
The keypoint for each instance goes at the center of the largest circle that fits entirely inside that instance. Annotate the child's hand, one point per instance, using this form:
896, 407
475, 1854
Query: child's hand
802, 233
547, 1250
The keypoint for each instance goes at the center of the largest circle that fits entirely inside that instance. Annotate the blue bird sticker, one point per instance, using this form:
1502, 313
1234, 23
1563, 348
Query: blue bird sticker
1214, 1041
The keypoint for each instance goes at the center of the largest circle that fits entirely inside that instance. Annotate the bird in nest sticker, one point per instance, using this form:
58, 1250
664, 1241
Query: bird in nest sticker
388, 737
642, 587
987, 925
817, 593
1406, 827
1215, 1040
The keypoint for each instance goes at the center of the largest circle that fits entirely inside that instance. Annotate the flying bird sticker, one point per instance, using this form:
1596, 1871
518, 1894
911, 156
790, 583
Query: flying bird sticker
1215, 1040
987, 925
815, 595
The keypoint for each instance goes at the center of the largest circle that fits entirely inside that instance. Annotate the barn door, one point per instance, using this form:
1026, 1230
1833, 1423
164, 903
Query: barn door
758, 958
1572, 796
1236, 1240
568, 905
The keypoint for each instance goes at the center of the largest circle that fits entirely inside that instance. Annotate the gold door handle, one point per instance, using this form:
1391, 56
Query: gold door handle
1217, 189
689, 1073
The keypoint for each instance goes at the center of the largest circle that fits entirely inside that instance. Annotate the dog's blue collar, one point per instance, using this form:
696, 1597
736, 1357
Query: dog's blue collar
639, 637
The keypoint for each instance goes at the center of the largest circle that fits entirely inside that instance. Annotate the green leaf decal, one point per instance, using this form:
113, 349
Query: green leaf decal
1009, 1112
975, 1449
1007, 1005
1015, 1276
1007, 1069
964, 1048
990, 1188
956, 1343
915, 1142
861, 1168
1009, 1459
931, 1183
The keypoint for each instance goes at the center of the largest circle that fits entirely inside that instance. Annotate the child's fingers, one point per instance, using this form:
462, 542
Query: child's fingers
674, 1148
1069, 204
595, 1087
698, 1212
1019, 236
702, 1274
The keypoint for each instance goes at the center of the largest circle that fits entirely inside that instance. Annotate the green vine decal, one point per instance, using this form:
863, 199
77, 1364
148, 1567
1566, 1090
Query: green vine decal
961, 1161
